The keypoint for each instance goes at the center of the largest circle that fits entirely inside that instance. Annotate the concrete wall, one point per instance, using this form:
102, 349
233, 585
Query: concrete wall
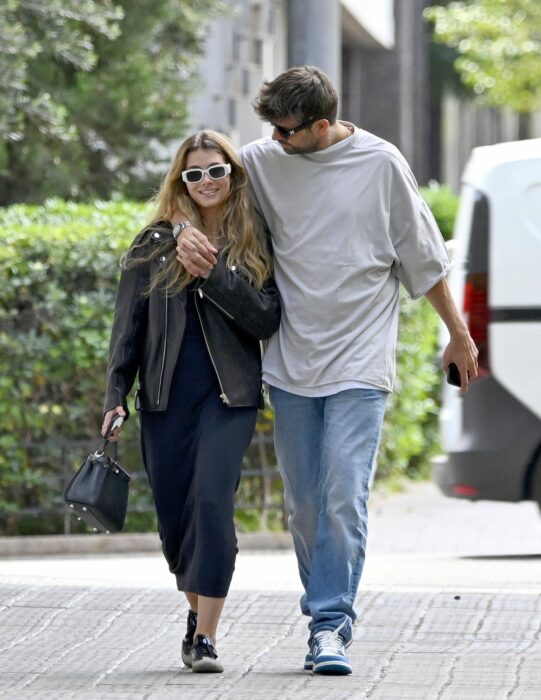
466, 124
242, 50
386, 90
314, 36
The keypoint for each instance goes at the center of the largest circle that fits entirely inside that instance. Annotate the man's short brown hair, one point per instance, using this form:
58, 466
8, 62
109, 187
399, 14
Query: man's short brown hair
304, 92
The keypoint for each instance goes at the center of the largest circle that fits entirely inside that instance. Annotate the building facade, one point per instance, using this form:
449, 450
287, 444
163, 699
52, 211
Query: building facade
377, 54
262, 38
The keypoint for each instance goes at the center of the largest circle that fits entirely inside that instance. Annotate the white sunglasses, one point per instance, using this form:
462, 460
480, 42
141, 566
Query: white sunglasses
215, 172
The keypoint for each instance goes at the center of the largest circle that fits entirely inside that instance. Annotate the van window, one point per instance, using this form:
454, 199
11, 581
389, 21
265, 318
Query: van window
477, 259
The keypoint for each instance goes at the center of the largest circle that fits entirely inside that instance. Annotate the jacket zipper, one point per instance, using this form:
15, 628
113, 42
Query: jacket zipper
163, 356
226, 313
223, 395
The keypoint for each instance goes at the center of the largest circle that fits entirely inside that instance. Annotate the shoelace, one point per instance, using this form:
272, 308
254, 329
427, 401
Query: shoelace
331, 642
207, 645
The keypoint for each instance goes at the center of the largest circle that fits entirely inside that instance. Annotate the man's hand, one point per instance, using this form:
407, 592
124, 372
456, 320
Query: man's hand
461, 349
195, 252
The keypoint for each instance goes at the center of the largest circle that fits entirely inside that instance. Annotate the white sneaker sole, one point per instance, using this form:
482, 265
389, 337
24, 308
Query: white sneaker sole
332, 667
207, 666
186, 659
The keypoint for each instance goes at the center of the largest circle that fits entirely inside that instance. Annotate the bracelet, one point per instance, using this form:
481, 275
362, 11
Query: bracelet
178, 228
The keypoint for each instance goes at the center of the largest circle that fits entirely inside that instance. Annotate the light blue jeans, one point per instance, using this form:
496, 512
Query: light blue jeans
326, 449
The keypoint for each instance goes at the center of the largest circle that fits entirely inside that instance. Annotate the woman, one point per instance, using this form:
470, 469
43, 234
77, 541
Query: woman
195, 343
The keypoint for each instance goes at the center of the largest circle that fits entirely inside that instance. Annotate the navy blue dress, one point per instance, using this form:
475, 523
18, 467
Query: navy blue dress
193, 455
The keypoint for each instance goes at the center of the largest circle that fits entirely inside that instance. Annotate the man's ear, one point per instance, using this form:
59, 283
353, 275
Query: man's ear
322, 126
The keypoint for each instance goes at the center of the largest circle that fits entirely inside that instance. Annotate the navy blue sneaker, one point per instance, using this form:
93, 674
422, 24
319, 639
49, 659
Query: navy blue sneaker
188, 639
329, 653
204, 656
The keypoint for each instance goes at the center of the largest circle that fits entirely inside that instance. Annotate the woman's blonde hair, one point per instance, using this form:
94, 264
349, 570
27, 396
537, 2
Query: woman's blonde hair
245, 245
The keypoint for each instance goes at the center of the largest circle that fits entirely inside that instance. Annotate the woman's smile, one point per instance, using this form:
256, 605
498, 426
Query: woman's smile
208, 193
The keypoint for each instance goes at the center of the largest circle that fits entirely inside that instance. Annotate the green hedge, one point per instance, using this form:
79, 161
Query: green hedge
58, 275
443, 204
58, 272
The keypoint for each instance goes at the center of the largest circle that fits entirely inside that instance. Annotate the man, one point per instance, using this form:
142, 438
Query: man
347, 225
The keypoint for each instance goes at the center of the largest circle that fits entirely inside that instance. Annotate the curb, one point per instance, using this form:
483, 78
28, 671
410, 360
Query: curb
122, 543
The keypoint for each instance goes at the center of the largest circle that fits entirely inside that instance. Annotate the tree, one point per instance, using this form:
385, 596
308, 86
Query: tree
28, 32
88, 88
498, 43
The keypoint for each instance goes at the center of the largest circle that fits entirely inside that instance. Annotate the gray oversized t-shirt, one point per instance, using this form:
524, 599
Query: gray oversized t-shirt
347, 224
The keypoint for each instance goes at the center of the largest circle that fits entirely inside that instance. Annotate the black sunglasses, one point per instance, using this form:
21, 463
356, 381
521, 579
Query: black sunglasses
287, 133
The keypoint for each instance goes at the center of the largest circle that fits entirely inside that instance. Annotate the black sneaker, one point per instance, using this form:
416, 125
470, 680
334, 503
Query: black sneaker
204, 656
188, 639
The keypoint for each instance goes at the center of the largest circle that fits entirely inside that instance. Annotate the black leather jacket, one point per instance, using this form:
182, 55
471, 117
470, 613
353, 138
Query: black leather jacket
148, 330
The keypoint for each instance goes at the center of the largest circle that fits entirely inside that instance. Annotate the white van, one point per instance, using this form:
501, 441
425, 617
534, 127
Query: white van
492, 435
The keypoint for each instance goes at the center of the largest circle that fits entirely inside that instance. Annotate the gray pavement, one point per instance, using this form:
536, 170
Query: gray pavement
449, 607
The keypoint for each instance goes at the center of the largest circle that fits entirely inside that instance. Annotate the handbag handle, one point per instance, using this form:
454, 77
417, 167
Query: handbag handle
101, 450
116, 422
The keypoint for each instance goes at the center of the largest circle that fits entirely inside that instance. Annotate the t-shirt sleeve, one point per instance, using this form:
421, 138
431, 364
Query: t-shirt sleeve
420, 249
244, 155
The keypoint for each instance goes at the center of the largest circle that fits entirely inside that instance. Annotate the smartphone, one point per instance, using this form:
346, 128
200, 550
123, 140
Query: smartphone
116, 422
453, 375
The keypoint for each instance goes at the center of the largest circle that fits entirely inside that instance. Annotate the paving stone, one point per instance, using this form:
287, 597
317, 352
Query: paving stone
457, 691
397, 691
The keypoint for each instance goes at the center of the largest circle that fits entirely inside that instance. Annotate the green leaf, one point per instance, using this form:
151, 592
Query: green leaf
498, 43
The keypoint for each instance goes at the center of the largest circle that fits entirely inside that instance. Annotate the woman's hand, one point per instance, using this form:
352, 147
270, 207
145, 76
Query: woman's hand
107, 418
195, 252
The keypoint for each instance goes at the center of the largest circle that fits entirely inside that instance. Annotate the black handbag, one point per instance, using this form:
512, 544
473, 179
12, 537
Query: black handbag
98, 492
